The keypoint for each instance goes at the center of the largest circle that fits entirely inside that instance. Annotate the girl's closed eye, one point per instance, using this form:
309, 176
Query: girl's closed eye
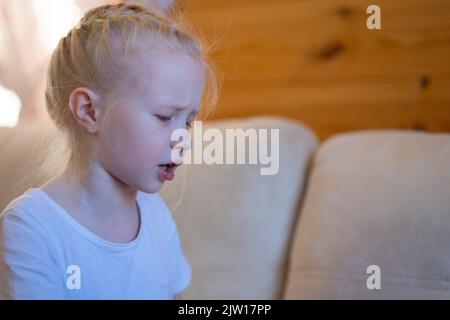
164, 118
169, 118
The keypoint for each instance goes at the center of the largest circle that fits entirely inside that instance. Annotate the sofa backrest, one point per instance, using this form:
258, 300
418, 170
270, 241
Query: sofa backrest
235, 224
23, 149
378, 204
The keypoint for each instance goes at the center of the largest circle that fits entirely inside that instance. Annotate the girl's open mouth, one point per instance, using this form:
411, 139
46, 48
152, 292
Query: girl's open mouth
167, 171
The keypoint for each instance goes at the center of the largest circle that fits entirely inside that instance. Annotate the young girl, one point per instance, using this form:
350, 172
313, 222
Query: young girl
118, 85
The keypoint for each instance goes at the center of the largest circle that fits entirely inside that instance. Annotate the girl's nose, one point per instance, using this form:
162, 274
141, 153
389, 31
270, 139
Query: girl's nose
181, 143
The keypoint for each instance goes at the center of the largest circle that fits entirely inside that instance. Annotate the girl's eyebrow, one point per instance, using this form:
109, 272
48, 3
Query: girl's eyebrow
181, 108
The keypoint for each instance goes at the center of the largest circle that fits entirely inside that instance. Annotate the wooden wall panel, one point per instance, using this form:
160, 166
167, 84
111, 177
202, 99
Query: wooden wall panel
315, 61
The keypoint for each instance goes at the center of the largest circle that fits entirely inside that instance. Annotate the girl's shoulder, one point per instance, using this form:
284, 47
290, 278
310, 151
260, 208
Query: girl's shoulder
21, 203
30, 207
25, 219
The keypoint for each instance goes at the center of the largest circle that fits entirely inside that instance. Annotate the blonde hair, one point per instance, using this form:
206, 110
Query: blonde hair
92, 55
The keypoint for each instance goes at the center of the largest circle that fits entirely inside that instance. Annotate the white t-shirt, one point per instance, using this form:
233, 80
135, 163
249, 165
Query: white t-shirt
46, 254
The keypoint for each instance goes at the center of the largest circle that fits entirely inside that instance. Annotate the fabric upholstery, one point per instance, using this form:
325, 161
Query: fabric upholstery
375, 198
235, 224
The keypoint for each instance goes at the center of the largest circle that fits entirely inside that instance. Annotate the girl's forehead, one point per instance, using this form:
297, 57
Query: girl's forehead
147, 55
166, 77
164, 68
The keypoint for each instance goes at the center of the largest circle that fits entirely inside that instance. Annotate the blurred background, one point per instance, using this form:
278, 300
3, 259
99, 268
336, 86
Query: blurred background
310, 60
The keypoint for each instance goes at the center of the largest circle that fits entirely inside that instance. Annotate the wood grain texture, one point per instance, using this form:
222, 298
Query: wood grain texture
316, 62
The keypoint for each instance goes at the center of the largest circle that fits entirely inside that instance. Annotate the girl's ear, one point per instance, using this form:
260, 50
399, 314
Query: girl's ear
85, 107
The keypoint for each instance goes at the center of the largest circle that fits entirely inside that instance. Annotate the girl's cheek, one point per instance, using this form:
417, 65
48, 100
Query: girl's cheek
155, 134
164, 133
155, 144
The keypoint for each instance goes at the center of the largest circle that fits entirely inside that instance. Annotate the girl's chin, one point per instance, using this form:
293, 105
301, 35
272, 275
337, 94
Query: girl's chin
152, 185
154, 188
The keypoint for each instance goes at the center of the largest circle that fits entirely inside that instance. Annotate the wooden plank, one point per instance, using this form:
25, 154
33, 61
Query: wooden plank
315, 61
331, 108
402, 90
309, 39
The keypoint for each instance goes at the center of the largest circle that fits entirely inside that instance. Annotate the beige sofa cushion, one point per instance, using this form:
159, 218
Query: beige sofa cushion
235, 224
23, 149
375, 198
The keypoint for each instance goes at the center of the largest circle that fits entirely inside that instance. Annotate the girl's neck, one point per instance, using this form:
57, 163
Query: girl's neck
98, 193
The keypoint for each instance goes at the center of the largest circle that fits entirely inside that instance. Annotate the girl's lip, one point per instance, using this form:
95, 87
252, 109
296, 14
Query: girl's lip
170, 164
167, 173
